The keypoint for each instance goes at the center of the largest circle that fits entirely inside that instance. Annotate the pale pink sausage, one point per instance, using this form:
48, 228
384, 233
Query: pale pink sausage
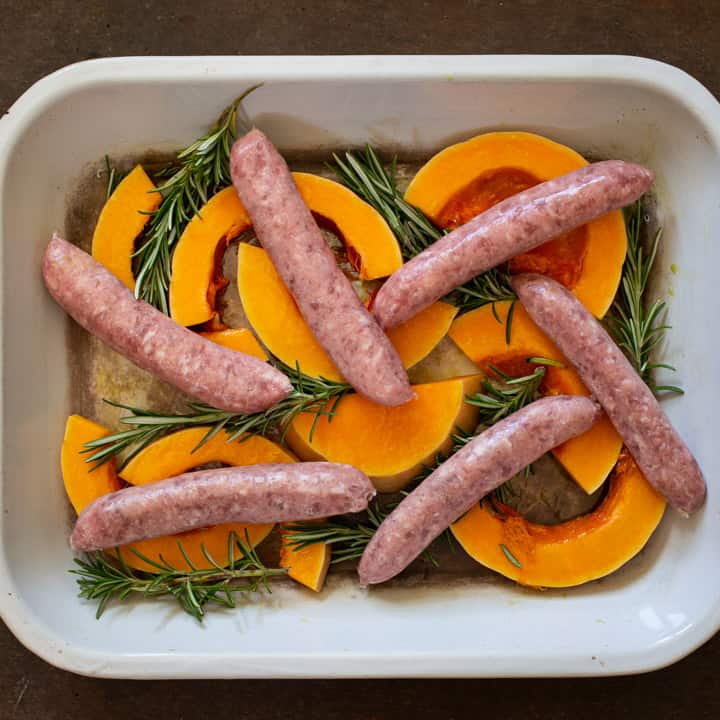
510, 228
327, 301
97, 300
249, 494
486, 462
656, 446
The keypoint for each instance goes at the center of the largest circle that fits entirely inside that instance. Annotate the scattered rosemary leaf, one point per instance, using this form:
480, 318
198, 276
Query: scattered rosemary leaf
114, 178
510, 556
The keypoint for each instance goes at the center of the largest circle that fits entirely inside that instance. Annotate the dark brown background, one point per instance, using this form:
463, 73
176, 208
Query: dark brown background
40, 37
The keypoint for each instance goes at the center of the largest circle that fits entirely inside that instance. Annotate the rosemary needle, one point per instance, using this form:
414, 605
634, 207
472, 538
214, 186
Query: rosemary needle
114, 178
510, 556
502, 397
346, 537
366, 176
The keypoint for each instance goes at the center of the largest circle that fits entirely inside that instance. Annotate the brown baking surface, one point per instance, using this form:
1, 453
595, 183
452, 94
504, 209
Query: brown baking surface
41, 37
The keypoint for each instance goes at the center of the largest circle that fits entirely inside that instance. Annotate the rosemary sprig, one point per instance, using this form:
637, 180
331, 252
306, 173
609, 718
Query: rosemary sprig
104, 577
364, 173
367, 177
638, 329
200, 170
492, 286
502, 397
349, 538
309, 395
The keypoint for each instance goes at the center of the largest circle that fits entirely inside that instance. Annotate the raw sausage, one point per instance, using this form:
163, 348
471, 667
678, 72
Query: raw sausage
652, 441
327, 301
97, 300
249, 494
511, 227
483, 464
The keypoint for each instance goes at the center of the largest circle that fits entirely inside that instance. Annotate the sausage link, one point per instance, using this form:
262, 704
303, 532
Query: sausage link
97, 300
454, 487
657, 448
327, 301
511, 227
249, 494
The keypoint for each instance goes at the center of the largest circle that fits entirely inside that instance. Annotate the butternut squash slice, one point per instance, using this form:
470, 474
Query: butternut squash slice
173, 455
571, 553
275, 317
121, 220
308, 565
465, 179
82, 484
240, 339
373, 247
166, 457
196, 277
389, 444
590, 457
179, 452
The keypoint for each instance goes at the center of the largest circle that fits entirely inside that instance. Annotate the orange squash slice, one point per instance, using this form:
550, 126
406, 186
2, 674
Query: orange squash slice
82, 483
465, 179
179, 452
240, 339
308, 565
590, 457
389, 444
373, 247
571, 553
196, 278
276, 319
121, 220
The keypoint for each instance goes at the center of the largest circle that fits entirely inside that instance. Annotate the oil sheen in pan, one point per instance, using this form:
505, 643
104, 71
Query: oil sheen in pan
547, 496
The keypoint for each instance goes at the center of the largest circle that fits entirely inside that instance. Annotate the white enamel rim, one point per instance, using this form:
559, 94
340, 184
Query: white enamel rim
177, 70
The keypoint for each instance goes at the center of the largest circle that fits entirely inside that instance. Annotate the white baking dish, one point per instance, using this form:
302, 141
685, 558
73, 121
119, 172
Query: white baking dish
650, 614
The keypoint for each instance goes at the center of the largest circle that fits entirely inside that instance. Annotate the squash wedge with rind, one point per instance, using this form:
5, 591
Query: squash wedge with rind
481, 335
389, 444
195, 277
83, 484
308, 565
122, 219
173, 455
574, 552
453, 170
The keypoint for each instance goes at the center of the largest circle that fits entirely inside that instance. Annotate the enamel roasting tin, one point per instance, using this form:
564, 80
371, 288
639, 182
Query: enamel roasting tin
660, 607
